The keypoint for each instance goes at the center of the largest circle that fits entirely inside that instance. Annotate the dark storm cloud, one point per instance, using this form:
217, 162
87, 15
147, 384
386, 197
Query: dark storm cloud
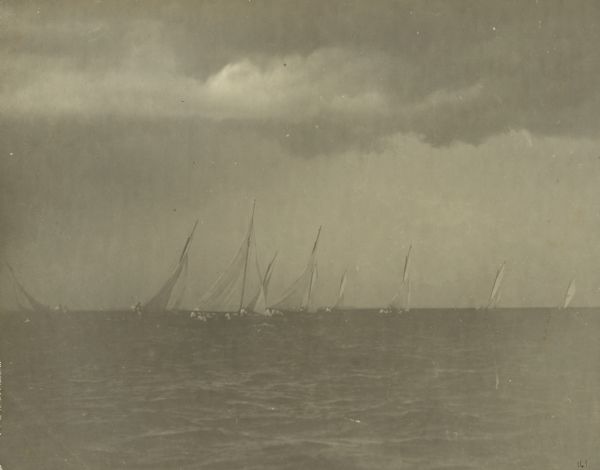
336, 74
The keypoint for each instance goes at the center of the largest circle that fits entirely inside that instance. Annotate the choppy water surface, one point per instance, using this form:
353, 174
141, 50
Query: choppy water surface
354, 390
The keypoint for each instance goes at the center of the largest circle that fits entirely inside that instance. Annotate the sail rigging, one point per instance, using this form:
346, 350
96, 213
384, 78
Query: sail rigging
298, 295
34, 304
569, 294
228, 292
159, 302
495, 294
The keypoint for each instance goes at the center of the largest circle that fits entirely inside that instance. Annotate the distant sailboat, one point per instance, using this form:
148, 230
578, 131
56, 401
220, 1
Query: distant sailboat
30, 302
298, 296
339, 303
228, 293
569, 294
407, 265
495, 294
159, 303
401, 300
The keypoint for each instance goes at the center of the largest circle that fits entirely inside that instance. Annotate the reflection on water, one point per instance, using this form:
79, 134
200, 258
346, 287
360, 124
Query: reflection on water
351, 390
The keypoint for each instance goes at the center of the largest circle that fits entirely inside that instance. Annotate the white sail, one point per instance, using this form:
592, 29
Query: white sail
401, 300
21, 292
227, 294
258, 304
248, 239
159, 302
571, 290
179, 295
407, 265
309, 292
297, 296
495, 294
339, 303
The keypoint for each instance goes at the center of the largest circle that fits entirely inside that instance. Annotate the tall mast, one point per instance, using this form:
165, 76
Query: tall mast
247, 254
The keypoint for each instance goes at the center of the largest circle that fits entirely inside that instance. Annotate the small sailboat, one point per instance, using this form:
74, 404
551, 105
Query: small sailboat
401, 300
297, 297
569, 294
158, 304
339, 303
25, 300
495, 293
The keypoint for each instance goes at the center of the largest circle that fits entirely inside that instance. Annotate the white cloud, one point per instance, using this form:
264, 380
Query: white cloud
147, 81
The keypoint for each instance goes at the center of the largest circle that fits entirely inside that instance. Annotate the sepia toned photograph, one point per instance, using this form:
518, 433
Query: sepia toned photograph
299, 234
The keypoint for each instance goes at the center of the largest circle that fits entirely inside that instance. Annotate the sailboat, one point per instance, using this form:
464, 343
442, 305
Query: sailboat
298, 296
159, 303
396, 304
26, 301
495, 294
569, 294
258, 304
228, 292
339, 303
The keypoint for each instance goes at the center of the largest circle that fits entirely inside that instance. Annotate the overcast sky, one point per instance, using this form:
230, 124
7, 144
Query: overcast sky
467, 128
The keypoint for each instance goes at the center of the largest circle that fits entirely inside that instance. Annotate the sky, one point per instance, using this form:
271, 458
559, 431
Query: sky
469, 129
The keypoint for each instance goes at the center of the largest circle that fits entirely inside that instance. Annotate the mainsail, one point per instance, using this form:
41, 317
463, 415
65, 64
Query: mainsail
34, 304
407, 265
311, 287
178, 296
495, 294
571, 290
298, 295
404, 291
339, 303
160, 301
227, 294
258, 304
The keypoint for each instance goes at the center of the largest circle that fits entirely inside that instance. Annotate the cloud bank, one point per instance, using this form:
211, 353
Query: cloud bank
445, 74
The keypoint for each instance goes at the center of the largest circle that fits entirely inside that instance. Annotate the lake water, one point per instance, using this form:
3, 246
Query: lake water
429, 389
